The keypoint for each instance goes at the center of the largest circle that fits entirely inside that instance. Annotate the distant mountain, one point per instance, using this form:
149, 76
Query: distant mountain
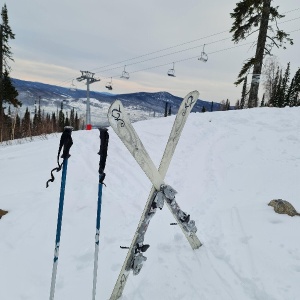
140, 105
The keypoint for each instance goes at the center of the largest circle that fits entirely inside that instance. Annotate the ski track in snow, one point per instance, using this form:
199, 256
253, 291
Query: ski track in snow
226, 168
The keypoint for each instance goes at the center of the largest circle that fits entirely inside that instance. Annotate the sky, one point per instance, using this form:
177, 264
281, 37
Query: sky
226, 168
55, 40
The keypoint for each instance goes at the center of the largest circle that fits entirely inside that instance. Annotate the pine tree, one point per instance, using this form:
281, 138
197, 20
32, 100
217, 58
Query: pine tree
284, 86
53, 122
18, 127
7, 91
244, 93
278, 101
289, 97
249, 15
166, 109
76, 125
72, 117
227, 105
35, 122
61, 119
26, 124
296, 89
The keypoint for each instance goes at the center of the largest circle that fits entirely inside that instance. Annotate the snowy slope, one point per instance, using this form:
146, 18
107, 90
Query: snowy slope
227, 167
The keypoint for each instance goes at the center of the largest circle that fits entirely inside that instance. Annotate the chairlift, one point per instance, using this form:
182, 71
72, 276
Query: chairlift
203, 56
109, 84
125, 74
73, 86
171, 72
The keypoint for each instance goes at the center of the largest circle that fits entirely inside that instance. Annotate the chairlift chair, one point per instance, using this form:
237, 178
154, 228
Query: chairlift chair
109, 84
203, 56
171, 72
73, 86
125, 74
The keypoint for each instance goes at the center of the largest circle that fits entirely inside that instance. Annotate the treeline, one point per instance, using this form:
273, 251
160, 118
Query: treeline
16, 127
282, 91
279, 89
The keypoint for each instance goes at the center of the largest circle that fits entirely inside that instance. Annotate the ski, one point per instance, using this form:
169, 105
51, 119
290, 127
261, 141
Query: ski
159, 192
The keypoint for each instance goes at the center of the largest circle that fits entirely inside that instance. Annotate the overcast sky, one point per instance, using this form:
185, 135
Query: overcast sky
56, 39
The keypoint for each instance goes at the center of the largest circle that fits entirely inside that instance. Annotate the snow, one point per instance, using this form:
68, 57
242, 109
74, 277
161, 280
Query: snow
226, 169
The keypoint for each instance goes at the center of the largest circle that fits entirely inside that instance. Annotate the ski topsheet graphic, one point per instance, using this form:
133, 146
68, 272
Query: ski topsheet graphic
160, 192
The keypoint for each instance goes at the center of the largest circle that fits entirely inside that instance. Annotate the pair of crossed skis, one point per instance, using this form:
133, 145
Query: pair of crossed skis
121, 124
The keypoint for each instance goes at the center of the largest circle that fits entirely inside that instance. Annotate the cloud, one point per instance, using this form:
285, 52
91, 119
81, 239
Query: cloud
54, 41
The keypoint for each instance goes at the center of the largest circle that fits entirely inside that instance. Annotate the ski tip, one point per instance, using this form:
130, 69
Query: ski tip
194, 94
115, 104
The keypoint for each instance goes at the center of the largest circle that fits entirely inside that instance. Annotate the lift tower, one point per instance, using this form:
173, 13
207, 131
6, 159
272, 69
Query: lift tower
89, 77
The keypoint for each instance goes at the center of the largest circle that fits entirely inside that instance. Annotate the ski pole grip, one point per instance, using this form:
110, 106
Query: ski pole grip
66, 142
104, 137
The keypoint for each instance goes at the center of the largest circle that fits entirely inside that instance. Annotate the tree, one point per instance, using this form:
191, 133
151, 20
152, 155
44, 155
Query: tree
274, 88
294, 89
61, 119
270, 68
252, 16
77, 122
53, 122
7, 91
244, 94
166, 109
227, 105
72, 117
26, 124
278, 102
284, 87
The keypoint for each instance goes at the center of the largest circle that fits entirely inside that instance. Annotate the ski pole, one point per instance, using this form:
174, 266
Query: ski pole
104, 137
65, 143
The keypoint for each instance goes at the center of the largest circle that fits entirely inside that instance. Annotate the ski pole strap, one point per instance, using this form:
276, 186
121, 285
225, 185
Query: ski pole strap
104, 137
65, 143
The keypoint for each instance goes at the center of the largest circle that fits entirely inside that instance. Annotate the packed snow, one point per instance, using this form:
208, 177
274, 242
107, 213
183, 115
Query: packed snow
226, 169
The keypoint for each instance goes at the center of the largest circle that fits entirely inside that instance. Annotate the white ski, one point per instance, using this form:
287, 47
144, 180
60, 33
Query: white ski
121, 124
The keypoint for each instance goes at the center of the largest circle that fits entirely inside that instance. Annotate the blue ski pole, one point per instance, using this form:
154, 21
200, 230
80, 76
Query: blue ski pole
65, 143
104, 137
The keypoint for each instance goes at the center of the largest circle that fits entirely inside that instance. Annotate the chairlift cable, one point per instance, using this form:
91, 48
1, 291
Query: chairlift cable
175, 46
185, 59
164, 55
179, 51
181, 60
157, 51
67, 80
